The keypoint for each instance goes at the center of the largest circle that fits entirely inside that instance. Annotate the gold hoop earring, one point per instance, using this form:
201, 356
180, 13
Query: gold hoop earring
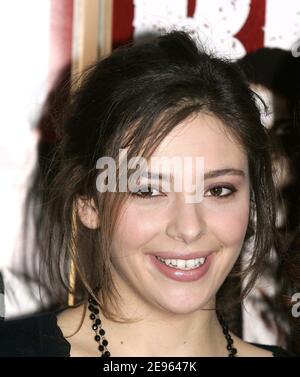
72, 271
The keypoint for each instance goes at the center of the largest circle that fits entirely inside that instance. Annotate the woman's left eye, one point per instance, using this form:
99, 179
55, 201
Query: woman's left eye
221, 192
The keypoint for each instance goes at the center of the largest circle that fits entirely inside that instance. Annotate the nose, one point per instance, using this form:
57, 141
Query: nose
187, 223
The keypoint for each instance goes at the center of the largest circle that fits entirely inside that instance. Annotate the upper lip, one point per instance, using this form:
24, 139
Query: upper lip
181, 255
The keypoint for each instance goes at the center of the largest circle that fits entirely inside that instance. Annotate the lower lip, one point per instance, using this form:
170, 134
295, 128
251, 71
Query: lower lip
182, 275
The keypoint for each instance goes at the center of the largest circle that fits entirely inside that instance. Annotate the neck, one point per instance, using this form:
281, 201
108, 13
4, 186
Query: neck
164, 334
197, 334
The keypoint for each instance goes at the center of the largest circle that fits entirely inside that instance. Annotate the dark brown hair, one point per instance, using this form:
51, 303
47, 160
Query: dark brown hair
133, 99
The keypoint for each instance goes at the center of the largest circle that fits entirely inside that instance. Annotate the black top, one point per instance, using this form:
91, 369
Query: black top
2, 309
39, 335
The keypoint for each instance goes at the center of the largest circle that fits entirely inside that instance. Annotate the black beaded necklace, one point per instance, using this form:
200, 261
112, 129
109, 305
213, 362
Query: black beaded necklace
103, 343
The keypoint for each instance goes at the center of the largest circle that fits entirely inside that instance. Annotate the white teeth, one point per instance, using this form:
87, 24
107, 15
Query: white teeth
190, 263
182, 263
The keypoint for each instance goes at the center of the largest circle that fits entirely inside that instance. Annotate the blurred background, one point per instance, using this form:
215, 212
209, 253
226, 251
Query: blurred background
45, 43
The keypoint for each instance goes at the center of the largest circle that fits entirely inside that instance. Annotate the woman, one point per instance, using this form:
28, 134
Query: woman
153, 264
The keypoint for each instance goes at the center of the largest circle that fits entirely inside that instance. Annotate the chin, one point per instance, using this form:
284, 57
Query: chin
184, 305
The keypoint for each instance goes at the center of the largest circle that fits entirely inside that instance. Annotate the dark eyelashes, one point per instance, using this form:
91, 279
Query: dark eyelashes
147, 194
228, 187
142, 195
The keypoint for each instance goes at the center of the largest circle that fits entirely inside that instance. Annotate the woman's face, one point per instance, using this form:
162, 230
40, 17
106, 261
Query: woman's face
208, 233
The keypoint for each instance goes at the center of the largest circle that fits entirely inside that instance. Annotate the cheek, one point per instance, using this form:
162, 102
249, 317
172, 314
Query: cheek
229, 224
136, 227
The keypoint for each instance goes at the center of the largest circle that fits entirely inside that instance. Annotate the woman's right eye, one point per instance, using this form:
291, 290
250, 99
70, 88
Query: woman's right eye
147, 192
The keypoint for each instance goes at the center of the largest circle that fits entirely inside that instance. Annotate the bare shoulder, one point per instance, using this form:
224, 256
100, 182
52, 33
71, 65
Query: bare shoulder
70, 319
71, 323
249, 350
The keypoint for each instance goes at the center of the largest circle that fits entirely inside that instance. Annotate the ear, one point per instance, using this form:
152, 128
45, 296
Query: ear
87, 213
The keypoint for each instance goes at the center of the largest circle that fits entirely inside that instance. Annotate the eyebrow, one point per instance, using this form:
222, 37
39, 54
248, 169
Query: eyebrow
218, 173
208, 175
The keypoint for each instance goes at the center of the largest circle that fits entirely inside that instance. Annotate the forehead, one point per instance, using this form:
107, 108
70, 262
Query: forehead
204, 136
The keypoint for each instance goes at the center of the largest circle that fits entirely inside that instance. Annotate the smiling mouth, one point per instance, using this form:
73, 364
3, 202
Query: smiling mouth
183, 264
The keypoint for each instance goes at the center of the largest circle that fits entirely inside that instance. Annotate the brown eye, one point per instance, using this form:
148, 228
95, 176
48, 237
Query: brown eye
220, 192
217, 191
147, 192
